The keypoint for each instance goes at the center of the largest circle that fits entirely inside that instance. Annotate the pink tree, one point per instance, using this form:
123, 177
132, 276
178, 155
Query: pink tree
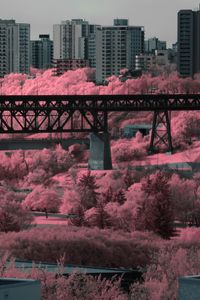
87, 188
13, 217
155, 210
183, 203
42, 199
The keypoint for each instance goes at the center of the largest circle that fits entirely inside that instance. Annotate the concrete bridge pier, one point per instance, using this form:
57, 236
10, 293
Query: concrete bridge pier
100, 154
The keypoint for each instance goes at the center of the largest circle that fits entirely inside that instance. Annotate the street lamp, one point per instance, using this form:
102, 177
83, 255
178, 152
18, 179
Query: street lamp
1, 83
21, 83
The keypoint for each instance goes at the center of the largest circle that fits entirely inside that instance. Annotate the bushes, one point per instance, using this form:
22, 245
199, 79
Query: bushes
42, 199
125, 150
75, 287
176, 258
164, 261
161, 278
12, 216
80, 246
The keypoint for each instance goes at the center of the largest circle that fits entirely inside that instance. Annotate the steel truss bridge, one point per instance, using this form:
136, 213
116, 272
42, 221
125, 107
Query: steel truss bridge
89, 113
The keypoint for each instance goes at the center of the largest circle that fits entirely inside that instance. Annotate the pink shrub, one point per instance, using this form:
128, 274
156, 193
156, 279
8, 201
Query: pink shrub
83, 246
183, 203
71, 198
13, 217
42, 199
184, 126
38, 176
75, 286
125, 150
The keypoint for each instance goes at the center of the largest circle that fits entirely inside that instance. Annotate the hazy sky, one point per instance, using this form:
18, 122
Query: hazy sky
159, 17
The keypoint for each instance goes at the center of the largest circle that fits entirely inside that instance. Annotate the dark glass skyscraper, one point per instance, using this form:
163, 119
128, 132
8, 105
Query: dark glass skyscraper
42, 52
188, 42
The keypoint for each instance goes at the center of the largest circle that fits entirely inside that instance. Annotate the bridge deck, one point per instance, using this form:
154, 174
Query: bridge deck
150, 102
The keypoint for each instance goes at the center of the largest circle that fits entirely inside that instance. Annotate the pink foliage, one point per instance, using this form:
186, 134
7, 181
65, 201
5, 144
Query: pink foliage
71, 198
42, 199
183, 203
13, 217
56, 286
80, 82
126, 150
81, 246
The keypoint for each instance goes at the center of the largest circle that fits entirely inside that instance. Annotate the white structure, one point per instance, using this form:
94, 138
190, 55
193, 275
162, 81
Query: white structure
14, 47
75, 39
68, 38
116, 48
145, 62
162, 57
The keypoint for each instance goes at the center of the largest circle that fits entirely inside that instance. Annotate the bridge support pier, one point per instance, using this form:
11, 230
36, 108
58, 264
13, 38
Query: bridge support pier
161, 132
100, 154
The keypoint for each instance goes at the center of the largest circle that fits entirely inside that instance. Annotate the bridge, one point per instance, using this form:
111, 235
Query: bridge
89, 113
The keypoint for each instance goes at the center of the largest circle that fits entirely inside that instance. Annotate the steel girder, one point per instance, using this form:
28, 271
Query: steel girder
106, 103
89, 113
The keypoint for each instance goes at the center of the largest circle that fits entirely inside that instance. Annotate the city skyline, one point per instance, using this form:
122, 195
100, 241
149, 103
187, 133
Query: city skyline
42, 15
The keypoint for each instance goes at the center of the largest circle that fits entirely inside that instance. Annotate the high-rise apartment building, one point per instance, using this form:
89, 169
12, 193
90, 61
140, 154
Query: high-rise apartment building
14, 47
116, 48
75, 39
91, 45
70, 39
188, 42
42, 52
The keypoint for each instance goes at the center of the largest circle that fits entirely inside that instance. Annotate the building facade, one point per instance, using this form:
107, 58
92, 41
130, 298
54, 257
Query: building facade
116, 48
42, 52
75, 40
154, 44
64, 65
14, 47
145, 62
70, 39
188, 42
91, 45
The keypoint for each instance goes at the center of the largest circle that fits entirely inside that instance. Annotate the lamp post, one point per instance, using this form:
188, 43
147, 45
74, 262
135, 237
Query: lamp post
1, 83
21, 83
127, 84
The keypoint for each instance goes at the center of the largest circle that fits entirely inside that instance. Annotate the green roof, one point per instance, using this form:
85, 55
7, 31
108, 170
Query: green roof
138, 126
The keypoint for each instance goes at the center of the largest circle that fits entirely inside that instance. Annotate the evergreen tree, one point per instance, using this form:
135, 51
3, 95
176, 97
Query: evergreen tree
98, 216
77, 217
155, 212
103, 219
120, 197
87, 188
128, 178
108, 195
